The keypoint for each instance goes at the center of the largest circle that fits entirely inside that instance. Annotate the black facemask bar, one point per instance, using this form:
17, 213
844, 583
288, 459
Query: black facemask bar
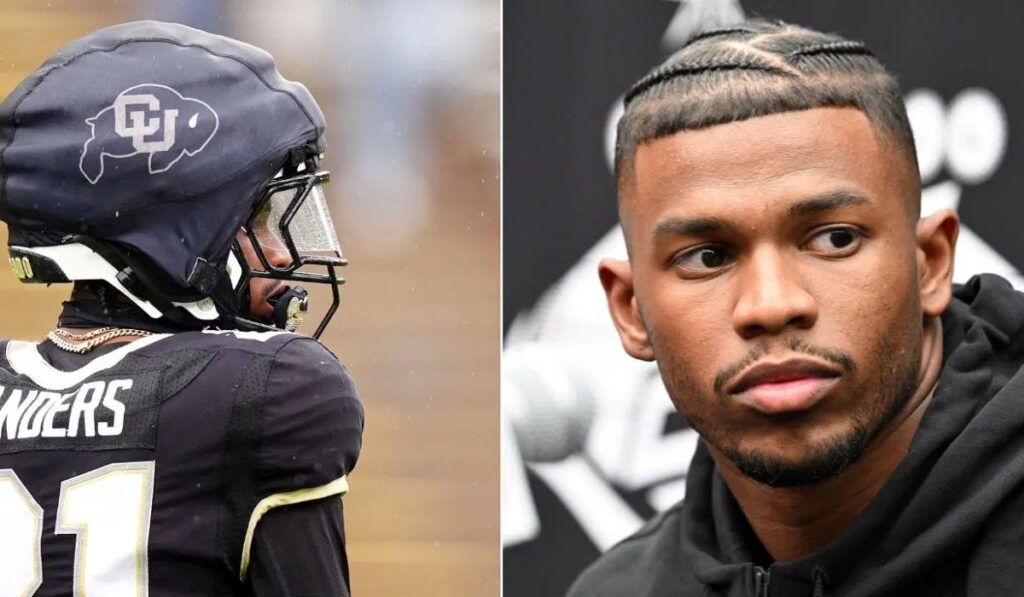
303, 182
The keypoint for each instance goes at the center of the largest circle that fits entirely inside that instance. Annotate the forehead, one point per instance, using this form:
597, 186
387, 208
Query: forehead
753, 164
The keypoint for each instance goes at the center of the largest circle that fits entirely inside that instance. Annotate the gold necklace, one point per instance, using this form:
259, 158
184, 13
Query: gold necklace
83, 343
66, 335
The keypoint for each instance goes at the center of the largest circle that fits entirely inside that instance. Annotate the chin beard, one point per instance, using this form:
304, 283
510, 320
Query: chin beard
824, 461
897, 384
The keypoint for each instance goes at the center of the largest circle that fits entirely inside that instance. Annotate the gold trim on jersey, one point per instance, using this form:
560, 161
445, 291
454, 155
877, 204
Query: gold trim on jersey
337, 487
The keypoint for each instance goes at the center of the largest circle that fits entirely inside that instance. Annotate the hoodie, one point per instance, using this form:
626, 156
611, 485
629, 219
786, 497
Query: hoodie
949, 521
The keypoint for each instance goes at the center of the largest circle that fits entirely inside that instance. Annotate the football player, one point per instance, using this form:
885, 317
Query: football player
171, 436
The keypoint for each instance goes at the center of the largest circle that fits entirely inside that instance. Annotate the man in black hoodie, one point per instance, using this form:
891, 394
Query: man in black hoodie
861, 426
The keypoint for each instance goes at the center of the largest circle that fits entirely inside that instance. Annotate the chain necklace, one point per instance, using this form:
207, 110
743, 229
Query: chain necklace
83, 343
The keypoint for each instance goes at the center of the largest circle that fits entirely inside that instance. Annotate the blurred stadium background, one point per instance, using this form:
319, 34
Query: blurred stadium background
411, 95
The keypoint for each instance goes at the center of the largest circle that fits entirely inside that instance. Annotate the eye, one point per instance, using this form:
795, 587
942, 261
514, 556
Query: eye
835, 242
702, 260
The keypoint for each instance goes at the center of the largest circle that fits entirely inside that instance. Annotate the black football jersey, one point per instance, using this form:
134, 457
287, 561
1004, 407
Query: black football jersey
145, 470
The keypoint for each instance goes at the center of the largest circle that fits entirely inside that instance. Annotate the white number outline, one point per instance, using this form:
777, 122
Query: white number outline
146, 470
37, 559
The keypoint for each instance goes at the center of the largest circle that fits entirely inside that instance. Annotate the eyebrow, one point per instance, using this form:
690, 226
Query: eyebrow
827, 202
670, 227
687, 227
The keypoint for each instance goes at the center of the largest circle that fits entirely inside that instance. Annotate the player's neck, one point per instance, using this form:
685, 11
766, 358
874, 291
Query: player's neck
795, 522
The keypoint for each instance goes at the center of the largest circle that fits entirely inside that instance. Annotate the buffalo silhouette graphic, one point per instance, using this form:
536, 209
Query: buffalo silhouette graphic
150, 119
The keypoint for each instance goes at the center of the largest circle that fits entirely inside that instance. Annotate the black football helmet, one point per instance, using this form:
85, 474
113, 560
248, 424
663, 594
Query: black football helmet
135, 154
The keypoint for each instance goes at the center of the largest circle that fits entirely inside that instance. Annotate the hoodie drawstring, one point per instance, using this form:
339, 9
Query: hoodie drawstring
819, 581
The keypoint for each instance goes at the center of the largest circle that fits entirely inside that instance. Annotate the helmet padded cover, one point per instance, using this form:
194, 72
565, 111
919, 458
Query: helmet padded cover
153, 135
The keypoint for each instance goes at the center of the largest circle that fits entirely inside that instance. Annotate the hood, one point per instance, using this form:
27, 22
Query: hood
965, 461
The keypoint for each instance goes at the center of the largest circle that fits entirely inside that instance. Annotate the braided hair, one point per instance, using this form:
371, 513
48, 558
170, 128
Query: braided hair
756, 68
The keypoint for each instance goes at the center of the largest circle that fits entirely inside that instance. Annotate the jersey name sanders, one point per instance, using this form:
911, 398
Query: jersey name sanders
94, 409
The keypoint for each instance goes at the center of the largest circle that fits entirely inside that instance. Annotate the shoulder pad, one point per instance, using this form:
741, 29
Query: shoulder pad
264, 343
312, 419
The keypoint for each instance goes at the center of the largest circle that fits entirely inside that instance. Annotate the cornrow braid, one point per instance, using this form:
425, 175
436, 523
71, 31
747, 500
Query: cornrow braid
757, 68
830, 49
678, 70
724, 32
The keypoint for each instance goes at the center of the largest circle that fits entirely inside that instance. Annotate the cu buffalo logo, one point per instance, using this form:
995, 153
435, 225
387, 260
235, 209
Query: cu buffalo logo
147, 119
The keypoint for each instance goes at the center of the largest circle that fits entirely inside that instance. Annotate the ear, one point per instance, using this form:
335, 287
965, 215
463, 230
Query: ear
936, 244
617, 280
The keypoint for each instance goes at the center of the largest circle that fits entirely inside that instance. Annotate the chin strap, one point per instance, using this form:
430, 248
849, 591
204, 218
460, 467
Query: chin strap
133, 277
215, 283
209, 281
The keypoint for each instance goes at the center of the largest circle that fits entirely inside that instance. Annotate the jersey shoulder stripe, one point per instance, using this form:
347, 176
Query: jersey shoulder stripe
24, 359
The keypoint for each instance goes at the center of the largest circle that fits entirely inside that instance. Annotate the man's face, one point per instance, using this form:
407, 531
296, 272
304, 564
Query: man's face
774, 273
263, 289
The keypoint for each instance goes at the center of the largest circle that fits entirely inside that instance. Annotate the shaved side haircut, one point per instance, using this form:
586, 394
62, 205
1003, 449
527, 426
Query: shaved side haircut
757, 68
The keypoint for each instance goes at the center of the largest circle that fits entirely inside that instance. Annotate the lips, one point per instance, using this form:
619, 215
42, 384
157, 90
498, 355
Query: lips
264, 295
276, 291
788, 386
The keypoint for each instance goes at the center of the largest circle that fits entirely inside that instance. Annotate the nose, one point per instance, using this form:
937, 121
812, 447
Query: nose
277, 256
772, 296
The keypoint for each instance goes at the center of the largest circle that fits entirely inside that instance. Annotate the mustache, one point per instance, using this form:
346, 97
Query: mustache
844, 360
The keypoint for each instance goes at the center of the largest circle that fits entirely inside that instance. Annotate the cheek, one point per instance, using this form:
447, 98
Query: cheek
874, 293
871, 308
676, 321
689, 333
246, 245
